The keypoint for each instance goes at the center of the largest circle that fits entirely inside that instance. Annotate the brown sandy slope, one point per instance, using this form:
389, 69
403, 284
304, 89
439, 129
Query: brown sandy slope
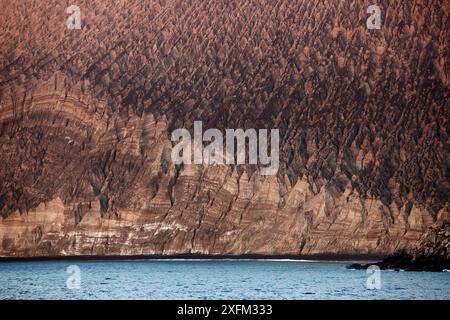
86, 116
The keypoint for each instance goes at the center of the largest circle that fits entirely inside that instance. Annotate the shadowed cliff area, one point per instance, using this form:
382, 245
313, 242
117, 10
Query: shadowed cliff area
86, 117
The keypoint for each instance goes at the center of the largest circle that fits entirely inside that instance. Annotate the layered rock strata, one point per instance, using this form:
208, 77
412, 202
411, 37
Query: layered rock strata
432, 253
86, 117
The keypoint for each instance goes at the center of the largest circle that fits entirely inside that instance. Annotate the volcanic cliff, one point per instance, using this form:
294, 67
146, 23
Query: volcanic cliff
86, 117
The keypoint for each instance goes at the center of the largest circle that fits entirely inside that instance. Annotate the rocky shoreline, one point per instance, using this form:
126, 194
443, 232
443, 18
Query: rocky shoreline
431, 254
181, 256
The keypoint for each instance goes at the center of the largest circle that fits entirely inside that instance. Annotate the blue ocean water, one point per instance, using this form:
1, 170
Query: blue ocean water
211, 279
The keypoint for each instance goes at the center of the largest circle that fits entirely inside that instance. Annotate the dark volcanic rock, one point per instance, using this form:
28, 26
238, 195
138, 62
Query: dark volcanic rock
431, 254
86, 116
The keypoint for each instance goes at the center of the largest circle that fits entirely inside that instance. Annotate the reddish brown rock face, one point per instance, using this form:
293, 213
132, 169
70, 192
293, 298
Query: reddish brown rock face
86, 117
